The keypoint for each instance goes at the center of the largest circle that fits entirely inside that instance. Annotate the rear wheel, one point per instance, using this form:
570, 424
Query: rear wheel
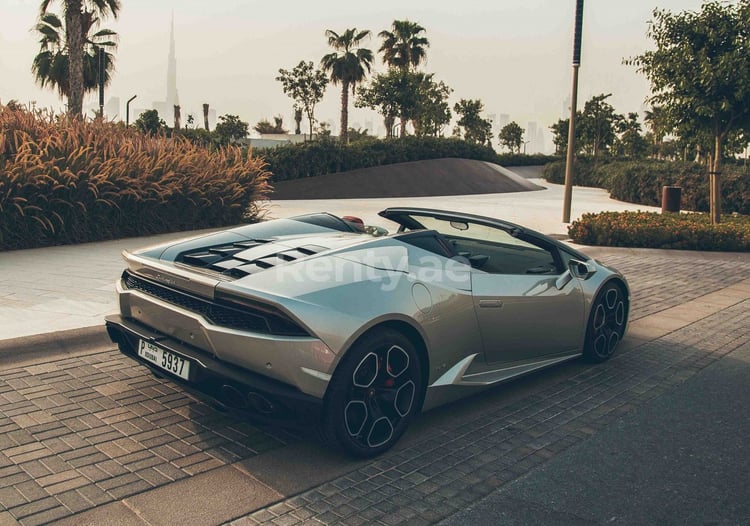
607, 321
374, 394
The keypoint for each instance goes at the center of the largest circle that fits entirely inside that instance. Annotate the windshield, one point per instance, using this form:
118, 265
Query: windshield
459, 228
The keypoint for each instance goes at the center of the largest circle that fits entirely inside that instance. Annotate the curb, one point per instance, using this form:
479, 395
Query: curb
73, 342
596, 251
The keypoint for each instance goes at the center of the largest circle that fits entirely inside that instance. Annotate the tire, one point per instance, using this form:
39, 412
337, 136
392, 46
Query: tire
374, 394
606, 325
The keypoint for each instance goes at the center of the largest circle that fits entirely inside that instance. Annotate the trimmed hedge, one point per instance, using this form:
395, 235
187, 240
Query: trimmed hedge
75, 181
654, 230
297, 161
641, 182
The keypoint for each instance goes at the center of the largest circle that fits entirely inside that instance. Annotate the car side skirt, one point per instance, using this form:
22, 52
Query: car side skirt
457, 383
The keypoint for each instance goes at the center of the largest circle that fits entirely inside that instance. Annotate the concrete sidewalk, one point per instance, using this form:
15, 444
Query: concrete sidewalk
47, 290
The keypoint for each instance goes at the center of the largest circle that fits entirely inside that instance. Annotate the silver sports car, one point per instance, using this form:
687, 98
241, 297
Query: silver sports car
321, 319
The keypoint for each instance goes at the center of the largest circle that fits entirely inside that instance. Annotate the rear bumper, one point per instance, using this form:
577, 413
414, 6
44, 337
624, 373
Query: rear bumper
232, 386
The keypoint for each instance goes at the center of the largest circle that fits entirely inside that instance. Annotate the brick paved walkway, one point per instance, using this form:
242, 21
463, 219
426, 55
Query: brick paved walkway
82, 432
86, 431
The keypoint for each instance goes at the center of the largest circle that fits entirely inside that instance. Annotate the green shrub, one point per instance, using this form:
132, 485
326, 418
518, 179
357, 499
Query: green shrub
641, 182
74, 181
653, 230
296, 161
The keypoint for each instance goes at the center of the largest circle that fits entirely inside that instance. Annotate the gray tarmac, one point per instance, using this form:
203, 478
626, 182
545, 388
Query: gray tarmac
681, 459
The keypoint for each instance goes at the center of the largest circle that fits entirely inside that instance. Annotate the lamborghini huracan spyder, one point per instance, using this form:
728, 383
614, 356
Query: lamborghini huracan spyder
322, 318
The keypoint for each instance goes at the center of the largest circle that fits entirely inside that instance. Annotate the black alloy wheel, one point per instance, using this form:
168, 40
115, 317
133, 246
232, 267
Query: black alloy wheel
374, 394
607, 321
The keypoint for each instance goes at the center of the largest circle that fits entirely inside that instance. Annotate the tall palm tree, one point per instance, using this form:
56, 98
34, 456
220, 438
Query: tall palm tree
78, 16
348, 65
404, 47
52, 65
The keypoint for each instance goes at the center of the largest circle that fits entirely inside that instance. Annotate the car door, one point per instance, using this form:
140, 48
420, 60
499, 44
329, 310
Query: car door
526, 308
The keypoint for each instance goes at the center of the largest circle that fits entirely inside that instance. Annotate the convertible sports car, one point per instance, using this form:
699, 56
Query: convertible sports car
320, 319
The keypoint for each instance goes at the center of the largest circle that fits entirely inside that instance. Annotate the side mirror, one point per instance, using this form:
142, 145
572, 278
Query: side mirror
580, 269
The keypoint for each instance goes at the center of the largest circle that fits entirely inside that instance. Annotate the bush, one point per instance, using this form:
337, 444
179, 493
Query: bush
653, 230
67, 181
641, 182
296, 161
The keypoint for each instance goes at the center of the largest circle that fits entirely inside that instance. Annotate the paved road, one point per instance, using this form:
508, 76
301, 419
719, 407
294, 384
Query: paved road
87, 437
681, 459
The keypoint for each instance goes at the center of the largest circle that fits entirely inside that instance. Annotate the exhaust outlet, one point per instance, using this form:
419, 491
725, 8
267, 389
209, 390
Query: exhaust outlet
260, 403
232, 397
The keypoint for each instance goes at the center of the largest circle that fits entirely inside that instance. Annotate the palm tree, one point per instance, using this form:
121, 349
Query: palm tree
348, 65
79, 19
403, 47
52, 65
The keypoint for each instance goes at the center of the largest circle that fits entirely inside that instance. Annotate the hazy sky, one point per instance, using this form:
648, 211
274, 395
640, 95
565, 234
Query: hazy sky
514, 55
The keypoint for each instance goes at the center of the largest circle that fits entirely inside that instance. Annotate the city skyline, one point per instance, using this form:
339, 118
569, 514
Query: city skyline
515, 57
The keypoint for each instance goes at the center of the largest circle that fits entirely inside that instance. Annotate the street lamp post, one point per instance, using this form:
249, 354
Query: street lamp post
101, 82
573, 107
127, 110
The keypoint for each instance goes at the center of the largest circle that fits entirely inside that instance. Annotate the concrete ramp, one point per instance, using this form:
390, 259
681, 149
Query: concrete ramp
435, 177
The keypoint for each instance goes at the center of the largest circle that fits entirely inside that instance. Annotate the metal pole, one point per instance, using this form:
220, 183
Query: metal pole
127, 110
569, 169
101, 82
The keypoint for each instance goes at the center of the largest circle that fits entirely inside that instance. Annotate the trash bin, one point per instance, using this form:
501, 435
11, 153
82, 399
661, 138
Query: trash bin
670, 198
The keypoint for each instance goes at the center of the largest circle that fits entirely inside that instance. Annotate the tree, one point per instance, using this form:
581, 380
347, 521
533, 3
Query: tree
150, 122
403, 47
511, 137
348, 65
298, 121
266, 127
598, 122
388, 94
205, 115
51, 66
560, 135
78, 16
475, 128
231, 129
410, 95
359, 135
658, 122
700, 73
432, 111
306, 86
631, 143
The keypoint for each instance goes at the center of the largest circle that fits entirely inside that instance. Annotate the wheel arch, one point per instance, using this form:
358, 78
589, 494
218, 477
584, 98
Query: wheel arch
620, 282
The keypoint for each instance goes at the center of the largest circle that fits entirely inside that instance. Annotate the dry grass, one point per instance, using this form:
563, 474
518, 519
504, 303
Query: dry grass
74, 181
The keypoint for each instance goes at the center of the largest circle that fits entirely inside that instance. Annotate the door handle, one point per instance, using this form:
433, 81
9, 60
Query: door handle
490, 304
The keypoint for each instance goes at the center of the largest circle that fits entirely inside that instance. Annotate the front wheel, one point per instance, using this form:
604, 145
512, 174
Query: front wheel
374, 394
607, 321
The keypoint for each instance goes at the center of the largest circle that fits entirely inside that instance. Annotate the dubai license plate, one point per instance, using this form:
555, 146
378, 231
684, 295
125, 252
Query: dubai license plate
164, 359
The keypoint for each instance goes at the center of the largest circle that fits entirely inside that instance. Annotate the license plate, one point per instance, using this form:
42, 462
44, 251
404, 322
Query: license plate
164, 359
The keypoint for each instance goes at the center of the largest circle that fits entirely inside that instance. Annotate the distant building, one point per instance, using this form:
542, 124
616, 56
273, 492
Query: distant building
112, 109
166, 107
